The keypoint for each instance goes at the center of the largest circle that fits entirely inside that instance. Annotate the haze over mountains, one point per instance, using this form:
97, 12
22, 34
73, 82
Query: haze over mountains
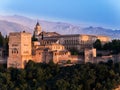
21, 23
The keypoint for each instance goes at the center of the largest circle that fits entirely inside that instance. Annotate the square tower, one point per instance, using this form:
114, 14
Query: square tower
19, 49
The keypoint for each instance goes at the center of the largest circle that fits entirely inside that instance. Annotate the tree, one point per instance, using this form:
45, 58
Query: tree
68, 62
62, 84
113, 46
97, 44
1, 40
6, 40
34, 38
74, 51
107, 46
116, 46
39, 76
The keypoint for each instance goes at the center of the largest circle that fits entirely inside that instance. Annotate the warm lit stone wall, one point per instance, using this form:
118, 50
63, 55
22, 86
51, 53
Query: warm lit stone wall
19, 49
78, 41
89, 55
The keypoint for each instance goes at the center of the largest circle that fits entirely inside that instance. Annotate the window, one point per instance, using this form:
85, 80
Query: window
14, 51
55, 54
39, 53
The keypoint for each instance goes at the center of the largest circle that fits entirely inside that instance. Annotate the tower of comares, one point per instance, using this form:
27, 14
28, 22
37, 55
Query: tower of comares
19, 49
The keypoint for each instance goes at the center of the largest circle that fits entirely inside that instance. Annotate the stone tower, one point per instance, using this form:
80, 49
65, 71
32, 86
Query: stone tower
89, 55
37, 30
19, 49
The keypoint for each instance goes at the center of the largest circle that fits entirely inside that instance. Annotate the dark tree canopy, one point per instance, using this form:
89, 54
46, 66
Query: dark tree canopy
40, 76
34, 38
97, 44
113, 46
1, 40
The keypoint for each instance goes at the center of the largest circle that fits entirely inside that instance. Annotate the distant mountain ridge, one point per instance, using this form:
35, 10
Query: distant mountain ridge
6, 27
20, 23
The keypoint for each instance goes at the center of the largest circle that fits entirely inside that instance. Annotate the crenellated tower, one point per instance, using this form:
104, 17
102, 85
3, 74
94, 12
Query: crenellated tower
19, 49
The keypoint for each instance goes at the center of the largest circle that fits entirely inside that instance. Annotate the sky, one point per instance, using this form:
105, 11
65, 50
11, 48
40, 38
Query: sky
104, 13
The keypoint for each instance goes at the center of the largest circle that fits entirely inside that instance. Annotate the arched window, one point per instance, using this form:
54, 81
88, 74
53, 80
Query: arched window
14, 51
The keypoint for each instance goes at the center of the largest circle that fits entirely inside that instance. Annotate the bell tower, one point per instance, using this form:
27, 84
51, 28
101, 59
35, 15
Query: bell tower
37, 30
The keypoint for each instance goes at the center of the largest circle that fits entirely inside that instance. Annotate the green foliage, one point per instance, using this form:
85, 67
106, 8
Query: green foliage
1, 40
97, 44
68, 62
113, 46
74, 51
6, 47
40, 76
34, 38
4, 44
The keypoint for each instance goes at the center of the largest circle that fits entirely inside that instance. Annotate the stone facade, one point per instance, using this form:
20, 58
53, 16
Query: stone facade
78, 41
58, 54
70, 41
49, 34
89, 55
51, 52
51, 47
44, 51
19, 49
76, 59
39, 33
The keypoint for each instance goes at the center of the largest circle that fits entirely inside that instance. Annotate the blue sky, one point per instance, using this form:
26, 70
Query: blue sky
104, 13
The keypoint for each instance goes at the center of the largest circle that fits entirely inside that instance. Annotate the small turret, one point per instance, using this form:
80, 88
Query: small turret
37, 24
37, 30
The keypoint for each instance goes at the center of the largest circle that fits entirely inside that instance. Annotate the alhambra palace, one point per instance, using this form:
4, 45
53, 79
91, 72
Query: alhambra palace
51, 46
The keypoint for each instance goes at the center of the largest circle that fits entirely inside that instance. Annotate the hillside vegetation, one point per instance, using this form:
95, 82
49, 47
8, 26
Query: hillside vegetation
39, 76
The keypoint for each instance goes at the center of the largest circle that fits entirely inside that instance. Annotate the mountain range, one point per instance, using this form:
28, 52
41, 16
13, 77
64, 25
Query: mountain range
21, 23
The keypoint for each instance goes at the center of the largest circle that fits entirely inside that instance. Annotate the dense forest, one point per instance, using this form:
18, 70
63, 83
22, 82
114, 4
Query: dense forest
40, 76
